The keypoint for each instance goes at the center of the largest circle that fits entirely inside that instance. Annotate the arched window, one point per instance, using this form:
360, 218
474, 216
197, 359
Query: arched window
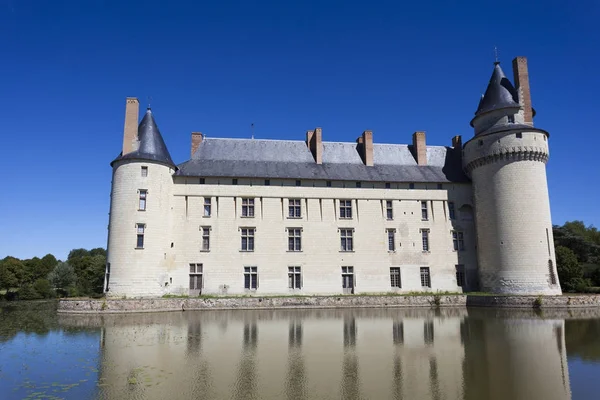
466, 212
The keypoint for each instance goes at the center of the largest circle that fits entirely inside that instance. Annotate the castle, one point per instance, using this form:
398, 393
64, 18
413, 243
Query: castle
279, 217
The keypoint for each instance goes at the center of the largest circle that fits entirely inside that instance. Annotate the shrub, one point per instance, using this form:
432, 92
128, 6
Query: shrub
27, 292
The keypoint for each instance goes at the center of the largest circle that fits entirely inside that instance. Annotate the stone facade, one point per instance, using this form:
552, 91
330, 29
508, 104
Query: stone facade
420, 232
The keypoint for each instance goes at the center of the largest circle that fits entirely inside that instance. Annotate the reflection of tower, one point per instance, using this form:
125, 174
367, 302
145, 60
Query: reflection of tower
514, 358
246, 376
349, 331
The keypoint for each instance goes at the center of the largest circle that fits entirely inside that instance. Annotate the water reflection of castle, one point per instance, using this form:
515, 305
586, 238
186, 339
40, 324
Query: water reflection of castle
350, 354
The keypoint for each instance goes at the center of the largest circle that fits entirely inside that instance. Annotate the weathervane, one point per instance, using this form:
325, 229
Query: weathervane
149, 100
496, 54
252, 128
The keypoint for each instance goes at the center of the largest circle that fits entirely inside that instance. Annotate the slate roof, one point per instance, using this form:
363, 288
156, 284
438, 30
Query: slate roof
500, 93
152, 146
289, 159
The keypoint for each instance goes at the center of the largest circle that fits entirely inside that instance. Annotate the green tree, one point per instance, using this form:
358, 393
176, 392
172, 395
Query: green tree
43, 288
8, 279
16, 272
62, 277
47, 264
90, 274
77, 253
569, 271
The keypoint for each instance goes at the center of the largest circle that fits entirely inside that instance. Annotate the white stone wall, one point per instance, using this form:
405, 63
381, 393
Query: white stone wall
515, 242
321, 259
140, 272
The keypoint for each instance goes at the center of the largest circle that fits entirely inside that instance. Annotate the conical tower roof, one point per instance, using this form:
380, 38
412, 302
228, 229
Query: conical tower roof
152, 146
500, 93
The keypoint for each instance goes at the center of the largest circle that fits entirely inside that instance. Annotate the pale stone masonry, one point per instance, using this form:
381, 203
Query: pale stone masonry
285, 217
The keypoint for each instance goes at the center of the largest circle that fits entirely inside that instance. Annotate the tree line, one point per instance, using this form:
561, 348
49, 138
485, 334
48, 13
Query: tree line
82, 274
577, 256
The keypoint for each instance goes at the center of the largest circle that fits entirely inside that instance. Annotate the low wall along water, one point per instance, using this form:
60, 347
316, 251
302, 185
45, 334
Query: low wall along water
97, 306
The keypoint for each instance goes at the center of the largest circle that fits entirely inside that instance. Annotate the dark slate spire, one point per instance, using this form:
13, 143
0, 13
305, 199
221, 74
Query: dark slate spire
152, 146
500, 93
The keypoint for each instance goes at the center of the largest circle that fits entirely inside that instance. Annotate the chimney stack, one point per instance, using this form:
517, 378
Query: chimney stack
130, 131
365, 147
419, 148
457, 142
196, 140
314, 141
521, 78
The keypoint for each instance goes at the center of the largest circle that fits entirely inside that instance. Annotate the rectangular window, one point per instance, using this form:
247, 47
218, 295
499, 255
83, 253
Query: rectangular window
207, 206
391, 238
251, 278
458, 241
440, 186
107, 276
550, 270
460, 275
294, 239
248, 208
425, 239
346, 209
395, 277
298, 183
389, 210
411, 185
348, 280
425, 277
202, 181
388, 185
451, 210
424, 213
141, 229
328, 184
294, 278
247, 239
346, 238
142, 201
358, 184
144, 171
294, 208
267, 182
205, 238
196, 277
234, 181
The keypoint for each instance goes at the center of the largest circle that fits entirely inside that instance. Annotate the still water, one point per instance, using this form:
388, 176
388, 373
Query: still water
300, 354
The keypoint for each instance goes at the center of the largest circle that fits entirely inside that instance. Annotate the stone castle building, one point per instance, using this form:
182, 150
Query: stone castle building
249, 216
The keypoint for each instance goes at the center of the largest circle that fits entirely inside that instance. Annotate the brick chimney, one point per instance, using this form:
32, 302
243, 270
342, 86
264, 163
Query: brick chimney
196, 140
521, 78
314, 141
457, 142
419, 148
365, 147
132, 115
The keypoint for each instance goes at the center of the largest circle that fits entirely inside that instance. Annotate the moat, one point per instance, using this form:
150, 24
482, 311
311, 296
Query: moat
367, 353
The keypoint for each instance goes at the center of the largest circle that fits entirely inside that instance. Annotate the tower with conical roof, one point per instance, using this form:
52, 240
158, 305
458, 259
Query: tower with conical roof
138, 233
506, 161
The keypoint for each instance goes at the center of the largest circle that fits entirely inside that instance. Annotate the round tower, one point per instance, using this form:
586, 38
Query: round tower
139, 223
506, 161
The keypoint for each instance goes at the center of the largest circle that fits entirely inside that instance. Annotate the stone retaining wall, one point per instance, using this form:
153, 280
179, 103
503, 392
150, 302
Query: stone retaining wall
229, 303
102, 306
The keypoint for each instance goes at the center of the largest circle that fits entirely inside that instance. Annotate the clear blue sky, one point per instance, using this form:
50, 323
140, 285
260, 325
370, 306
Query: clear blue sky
288, 66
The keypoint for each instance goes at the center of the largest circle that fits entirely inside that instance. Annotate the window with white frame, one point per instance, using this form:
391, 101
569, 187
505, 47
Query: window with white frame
458, 241
451, 210
141, 230
196, 272
425, 277
294, 208
142, 199
424, 211
207, 206
247, 235
295, 277
346, 236
251, 278
391, 239
294, 239
425, 239
247, 207
205, 238
346, 209
395, 277
144, 171
389, 210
